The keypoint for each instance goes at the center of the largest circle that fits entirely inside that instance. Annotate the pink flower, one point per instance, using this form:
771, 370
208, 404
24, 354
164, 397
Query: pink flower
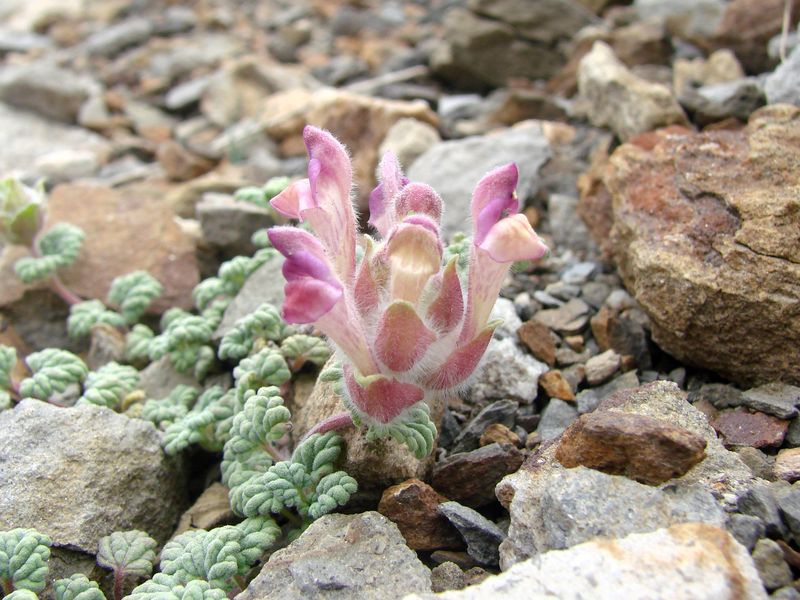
407, 325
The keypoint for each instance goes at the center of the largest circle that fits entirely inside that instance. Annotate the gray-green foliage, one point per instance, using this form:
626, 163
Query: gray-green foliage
58, 248
266, 367
109, 385
133, 293
164, 587
53, 370
77, 587
137, 344
175, 406
264, 323
23, 559
301, 348
187, 341
20, 211
206, 424
84, 315
21, 595
260, 196
128, 553
414, 428
8, 358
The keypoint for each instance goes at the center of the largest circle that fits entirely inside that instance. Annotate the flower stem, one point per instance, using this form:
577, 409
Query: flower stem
337, 421
66, 294
119, 576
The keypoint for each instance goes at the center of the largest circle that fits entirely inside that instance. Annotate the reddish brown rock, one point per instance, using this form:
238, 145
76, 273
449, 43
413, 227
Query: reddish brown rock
497, 433
643, 448
554, 384
594, 206
179, 163
536, 336
413, 507
126, 230
745, 428
706, 236
470, 477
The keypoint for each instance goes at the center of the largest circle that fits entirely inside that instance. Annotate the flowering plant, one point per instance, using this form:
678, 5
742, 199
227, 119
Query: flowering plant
408, 326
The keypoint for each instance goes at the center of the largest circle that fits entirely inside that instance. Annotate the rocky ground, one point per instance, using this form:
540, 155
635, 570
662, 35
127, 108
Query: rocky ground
635, 425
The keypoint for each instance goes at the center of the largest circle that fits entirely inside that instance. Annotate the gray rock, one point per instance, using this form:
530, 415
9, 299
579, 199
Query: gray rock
454, 167
159, 378
557, 416
50, 91
687, 19
482, 536
447, 576
175, 19
732, 99
111, 40
186, 94
789, 508
785, 593
720, 395
475, 53
601, 367
567, 228
78, 474
265, 285
777, 399
760, 500
568, 319
67, 165
502, 411
409, 139
579, 273
228, 224
618, 99
23, 41
556, 508
347, 557
504, 309
772, 568
792, 439
701, 561
545, 21
783, 85
562, 291
506, 372
746, 529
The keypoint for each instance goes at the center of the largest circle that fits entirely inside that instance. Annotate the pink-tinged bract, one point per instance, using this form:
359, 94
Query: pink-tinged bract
381, 398
402, 338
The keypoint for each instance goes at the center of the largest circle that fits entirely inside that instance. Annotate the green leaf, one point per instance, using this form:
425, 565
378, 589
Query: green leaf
265, 323
258, 535
264, 418
133, 293
207, 291
21, 595
164, 587
413, 428
280, 487
23, 558
53, 370
214, 556
265, 368
59, 247
137, 344
109, 385
85, 314
77, 587
128, 553
318, 452
8, 358
300, 348
333, 491
20, 208
5, 401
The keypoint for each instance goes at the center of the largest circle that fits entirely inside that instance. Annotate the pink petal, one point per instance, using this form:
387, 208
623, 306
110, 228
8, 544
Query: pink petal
391, 181
462, 362
307, 300
402, 338
295, 199
329, 164
512, 239
379, 397
493, 212
446, 311
367, 289
418, 198
290, 240
414, 254
497, 183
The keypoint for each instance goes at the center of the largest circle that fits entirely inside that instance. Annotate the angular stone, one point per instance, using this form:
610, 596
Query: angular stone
789, 506
746, 529
179, 163
569, 318
761, 500
778, 399
481, 535
782, 85
743, 428
537, 337
47, 90
719, 395
447, 576
228, 224
728, 237
507, 373
730, 100
556, 386
502, 412
470, 477
601, 367
498, 433
787, 464
362, 557
414, 507
622, 101
111, 40
78, 474
642, 448
546, 21
702, 561
589, 399
772, 568
557, 416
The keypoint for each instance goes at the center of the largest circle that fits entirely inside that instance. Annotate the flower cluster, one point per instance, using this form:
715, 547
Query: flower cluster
408, 325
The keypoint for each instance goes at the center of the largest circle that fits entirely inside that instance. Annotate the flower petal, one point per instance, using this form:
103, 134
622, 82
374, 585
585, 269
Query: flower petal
307, 300
402, 338
294, 200
497, 183
379, 397
493, 212
447, 309
414, 254
289, 240
418, 198
381, 199
462, 362
512, 239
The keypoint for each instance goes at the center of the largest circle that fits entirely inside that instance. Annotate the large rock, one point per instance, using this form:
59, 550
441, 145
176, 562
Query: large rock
342, 557
454, 167
478, 53
48, 90
701, 561
552, 507
618, 99
78, 474
506, 373
126, 230
706, 235
783, 85
545, 21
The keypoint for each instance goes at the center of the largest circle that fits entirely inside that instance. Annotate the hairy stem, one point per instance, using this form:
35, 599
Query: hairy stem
337, 421
119, 576
273, 452
66, 294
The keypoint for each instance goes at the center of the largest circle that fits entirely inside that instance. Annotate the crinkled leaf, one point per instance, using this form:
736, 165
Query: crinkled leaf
77, 587
300, 348
8, 358
128, 552
23, 558
265, 368
85, 314
53, 370
318, 452
109, 385
133, 293
265, 323
59, 247
333, 491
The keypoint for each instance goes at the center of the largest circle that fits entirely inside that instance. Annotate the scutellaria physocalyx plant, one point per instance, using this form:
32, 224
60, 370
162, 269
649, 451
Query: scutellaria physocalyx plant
408, 326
